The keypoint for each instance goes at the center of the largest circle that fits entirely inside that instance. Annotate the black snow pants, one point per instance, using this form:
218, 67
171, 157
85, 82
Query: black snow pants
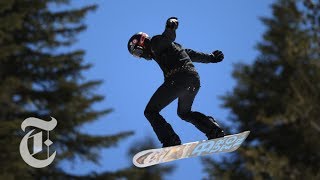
184, 86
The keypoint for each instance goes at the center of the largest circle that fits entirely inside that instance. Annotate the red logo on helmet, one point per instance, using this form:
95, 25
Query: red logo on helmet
142, 38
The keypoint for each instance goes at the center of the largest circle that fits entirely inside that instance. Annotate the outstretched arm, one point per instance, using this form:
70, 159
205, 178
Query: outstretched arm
161, 42
215, 57
170, 30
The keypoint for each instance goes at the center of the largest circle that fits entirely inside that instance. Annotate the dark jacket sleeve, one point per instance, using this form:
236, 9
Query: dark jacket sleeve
169, 34
200, 57
161, 42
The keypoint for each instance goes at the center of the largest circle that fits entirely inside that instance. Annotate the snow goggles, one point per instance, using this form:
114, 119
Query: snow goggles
137, 51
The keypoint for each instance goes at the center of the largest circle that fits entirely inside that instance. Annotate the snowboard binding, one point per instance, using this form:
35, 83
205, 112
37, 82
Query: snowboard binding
216, 131
174, 140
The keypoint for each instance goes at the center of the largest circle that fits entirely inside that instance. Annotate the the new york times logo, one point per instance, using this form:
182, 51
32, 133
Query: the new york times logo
37, 142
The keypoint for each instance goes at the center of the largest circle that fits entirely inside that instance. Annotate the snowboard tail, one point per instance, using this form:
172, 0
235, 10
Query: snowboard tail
199, 148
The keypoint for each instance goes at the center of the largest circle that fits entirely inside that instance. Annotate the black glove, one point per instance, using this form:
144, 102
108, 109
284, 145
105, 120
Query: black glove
172, 23
217, 56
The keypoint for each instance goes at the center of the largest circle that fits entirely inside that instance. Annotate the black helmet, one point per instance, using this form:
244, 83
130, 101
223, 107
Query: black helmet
139, 44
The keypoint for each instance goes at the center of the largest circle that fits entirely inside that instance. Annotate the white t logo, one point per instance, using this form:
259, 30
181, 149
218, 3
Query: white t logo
37, 141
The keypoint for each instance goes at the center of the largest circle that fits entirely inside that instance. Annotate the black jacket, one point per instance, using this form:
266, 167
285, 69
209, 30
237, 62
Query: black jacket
170, 55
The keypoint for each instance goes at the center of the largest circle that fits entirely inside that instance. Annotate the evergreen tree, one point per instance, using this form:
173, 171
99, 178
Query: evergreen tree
40, 77
277, 98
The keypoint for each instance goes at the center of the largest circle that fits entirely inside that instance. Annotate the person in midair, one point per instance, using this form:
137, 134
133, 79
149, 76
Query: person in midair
181, 81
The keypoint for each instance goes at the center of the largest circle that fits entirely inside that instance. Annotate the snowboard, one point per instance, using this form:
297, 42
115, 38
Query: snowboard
152, 157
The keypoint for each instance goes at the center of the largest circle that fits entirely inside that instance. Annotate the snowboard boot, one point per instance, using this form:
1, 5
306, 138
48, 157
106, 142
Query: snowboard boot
172, 140
216, 131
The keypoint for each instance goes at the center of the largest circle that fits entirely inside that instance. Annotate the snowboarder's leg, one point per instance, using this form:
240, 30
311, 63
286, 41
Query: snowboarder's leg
205, 124
164, 95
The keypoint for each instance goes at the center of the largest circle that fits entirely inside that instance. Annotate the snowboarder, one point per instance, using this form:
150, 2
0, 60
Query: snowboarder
181, 81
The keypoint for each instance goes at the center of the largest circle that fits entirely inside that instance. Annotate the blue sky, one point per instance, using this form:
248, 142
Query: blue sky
230, 26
